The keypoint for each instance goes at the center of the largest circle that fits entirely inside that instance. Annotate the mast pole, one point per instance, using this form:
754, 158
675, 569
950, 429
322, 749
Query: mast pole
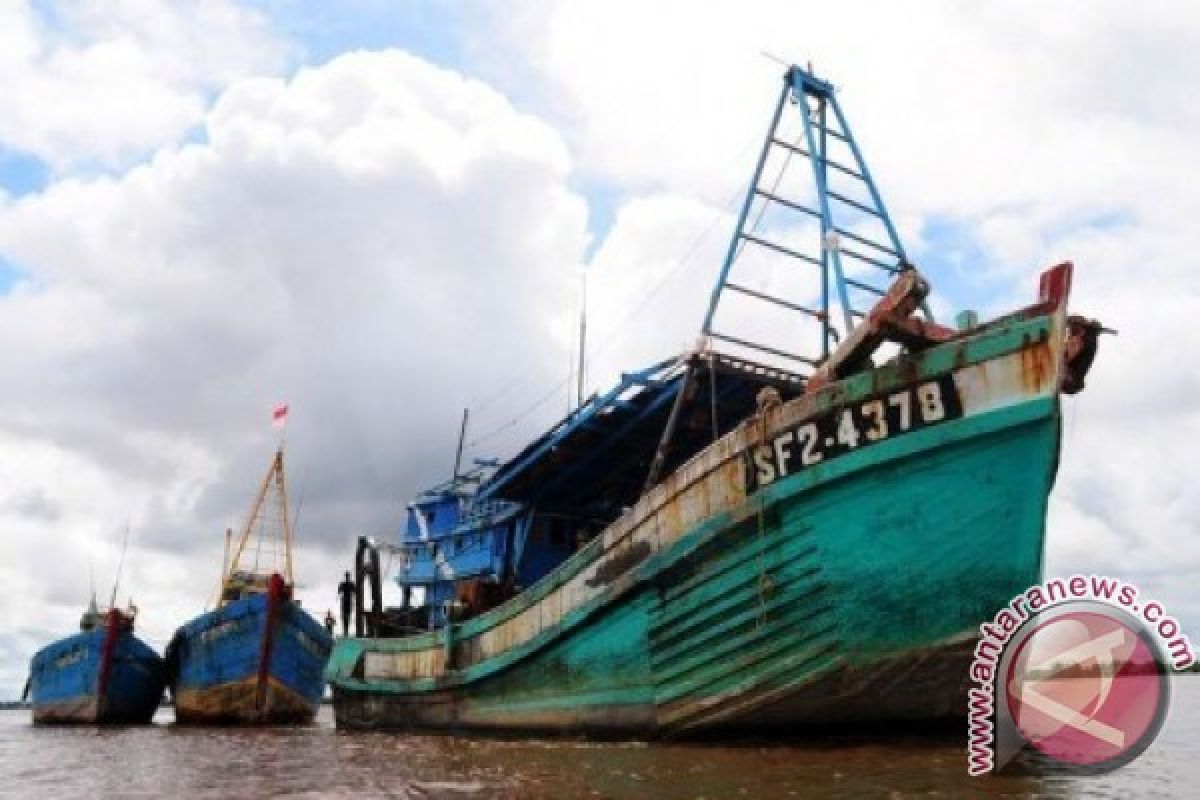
224, 566
664, 444
112, 603
254, 512
582, 338
281, 484
462, 436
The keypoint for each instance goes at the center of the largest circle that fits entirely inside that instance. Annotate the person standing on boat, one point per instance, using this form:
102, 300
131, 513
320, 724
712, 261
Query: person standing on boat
330, 623
347, 591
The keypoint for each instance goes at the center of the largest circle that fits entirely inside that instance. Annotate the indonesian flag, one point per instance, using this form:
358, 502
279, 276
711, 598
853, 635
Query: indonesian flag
279, 416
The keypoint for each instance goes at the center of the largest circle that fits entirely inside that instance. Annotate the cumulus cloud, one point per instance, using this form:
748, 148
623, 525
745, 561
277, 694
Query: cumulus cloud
381, 242
1003, 139
103, 83
375, 240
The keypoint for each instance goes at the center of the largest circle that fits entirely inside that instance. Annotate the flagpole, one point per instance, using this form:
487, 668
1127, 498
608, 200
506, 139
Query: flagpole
279, 419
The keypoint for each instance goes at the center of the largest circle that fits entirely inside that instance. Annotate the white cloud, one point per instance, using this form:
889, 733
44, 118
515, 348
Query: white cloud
960, 112
107, 82
375, 241
1036, 133
382, 242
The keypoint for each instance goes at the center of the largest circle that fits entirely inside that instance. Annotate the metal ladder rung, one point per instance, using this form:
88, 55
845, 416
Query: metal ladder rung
853, 203
844, 169
867, 242
763, 348
866, 287
827, 161
774, 198
832, 133
787, 251
868, 260
761, 296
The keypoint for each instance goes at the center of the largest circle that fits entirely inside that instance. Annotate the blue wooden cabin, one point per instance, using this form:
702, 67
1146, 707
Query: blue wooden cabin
477, 539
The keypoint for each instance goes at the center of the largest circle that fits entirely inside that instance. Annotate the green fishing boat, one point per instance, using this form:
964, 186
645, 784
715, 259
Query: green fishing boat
749, 537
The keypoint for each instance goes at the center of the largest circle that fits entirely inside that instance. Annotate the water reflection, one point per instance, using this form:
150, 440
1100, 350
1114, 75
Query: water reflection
318, 762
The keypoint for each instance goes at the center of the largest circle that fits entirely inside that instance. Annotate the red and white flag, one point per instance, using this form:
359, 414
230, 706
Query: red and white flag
279, 415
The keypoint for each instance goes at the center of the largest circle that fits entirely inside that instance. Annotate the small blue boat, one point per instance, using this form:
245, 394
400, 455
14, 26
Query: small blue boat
258, 658
101, 675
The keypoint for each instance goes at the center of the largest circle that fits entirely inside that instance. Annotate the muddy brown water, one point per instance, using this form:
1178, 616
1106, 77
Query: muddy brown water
164, 760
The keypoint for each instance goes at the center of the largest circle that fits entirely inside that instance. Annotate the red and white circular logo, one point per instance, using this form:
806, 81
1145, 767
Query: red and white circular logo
1087, 688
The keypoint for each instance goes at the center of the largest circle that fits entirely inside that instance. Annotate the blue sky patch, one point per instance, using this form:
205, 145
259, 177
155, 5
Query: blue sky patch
427, 28
955, 262
21, 173
10, 275
603, 200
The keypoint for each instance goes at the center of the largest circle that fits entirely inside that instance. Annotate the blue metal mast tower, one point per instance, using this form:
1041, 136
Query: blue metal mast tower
853, 246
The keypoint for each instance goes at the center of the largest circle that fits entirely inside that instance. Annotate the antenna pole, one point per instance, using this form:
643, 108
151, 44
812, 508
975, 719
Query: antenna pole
281, 485
300, 501
582, 338
112, 603
224, 565
570, 376
462, 435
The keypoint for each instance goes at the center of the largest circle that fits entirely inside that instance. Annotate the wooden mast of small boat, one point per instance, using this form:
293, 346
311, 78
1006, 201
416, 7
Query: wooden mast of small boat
273, 481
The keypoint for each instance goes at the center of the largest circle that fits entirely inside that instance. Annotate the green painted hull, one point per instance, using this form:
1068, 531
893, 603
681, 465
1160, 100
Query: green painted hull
850, 591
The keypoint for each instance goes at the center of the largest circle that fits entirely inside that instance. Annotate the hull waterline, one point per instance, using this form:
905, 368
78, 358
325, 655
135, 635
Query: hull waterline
751, 592
247, 664
71, 683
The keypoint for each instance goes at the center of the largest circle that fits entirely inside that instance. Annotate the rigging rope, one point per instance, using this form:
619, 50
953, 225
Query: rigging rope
621, 330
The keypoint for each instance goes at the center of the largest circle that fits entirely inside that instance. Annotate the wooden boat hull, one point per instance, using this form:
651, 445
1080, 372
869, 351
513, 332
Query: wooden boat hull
248, 664
849, 590
923, 686
66, 685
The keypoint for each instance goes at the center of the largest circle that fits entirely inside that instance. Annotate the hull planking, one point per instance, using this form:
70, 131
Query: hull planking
788, 575
230, 666
68, 685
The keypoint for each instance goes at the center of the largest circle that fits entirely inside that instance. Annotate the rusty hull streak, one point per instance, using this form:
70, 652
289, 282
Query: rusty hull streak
711, 482
1037, 367
79, 711
236, 703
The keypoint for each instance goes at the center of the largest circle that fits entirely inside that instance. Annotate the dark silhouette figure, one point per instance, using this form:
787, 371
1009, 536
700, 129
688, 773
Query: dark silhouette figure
347, 591
330, 623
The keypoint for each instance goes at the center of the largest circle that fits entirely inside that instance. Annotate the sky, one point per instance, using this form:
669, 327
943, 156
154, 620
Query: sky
381, 213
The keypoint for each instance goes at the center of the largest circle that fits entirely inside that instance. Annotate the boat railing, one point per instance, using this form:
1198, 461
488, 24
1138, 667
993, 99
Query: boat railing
483, 510
697, 468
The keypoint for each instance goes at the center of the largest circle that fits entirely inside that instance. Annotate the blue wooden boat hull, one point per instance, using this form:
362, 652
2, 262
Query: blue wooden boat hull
65, 681
230, 666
